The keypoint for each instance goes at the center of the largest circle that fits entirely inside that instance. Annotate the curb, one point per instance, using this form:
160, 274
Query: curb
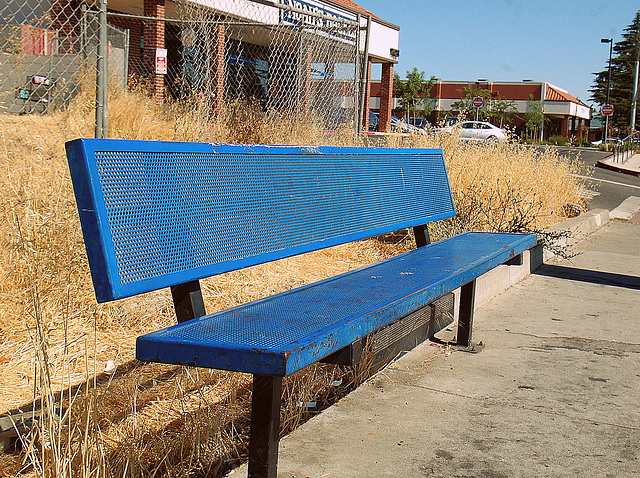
604, 164
583, 224
626, 209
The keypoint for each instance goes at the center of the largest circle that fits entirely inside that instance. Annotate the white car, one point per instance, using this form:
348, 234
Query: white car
401, 126
481, 131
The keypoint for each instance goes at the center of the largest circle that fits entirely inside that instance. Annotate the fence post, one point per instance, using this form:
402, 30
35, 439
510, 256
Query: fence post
219, 67
634, 97
102, 130
357, 79
127, 36
83, 31
366, 71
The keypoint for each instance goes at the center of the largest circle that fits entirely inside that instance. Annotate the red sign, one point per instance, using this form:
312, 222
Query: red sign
161, 61
607, 110
478, 102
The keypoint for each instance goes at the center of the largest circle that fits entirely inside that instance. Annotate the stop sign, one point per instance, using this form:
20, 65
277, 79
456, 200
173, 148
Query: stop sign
478, 102
607, 110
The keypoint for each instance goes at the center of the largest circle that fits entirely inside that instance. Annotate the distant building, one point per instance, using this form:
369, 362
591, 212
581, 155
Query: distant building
565, 115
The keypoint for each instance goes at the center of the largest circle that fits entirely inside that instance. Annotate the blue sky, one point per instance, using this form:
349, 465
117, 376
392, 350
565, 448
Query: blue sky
507, 40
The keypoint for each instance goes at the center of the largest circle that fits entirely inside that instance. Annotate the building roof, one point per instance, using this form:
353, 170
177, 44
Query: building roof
352, 6
558, 94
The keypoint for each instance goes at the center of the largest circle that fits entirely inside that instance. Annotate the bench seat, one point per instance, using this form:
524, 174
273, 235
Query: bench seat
286, 332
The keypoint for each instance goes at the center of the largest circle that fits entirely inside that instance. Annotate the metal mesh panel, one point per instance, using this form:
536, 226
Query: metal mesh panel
172, 212
281, 322
400, 328
296, 328
431, 319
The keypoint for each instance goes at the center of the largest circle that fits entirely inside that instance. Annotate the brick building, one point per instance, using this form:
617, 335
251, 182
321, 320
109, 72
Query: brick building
564, 114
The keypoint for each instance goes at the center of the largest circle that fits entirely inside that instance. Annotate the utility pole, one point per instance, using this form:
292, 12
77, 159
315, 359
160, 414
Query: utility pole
606, 120
634, 98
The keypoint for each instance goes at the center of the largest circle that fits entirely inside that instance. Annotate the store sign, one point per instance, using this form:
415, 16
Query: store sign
161, 61
314, 13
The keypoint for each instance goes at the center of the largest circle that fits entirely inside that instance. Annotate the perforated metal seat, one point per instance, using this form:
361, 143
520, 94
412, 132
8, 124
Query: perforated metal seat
286, 332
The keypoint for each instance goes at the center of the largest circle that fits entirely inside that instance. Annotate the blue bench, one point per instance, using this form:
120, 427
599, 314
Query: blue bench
164, 214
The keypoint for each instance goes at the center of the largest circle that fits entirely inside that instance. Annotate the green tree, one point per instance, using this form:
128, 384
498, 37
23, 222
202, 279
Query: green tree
464, 106
622, 75
533, 118
501, 110
414, 93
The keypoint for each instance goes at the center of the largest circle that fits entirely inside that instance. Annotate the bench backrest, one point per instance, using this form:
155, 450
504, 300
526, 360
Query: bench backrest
158, 214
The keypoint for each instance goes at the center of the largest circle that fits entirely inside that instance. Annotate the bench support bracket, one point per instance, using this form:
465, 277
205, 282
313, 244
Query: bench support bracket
465, 317
187, 301
265, 426
421, 234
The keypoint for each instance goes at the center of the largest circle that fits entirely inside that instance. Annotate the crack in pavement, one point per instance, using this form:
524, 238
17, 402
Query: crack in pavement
595, 346
494, 401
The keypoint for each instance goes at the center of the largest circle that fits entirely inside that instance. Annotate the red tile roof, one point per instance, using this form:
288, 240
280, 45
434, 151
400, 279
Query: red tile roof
555, 94
352, 6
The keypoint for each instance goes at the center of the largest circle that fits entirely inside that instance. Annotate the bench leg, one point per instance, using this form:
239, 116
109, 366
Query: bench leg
187, 301
265, 426
465, 317
516, 260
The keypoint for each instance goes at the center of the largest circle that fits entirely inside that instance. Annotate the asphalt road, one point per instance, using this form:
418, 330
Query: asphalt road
607, 189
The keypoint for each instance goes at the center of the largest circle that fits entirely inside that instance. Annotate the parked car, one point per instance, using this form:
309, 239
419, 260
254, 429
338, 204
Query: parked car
610, 140
401, 126
418, 122
481, 131
446, 125
374, 121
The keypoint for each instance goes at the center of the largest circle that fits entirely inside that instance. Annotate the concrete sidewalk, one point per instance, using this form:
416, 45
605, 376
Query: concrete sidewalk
629, 166
553, 393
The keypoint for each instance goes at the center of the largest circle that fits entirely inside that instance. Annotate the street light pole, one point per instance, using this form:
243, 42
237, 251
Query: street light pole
634, 100
606, 118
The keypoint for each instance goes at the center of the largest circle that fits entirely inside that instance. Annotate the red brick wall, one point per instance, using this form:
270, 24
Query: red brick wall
386, 97
511, 92
153, 38
518, 92
65, 19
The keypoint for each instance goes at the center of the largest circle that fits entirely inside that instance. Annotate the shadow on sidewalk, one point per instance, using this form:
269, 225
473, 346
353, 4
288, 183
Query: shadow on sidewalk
586, 275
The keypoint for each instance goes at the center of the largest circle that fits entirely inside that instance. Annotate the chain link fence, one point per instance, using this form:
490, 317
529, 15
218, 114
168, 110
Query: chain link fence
285, 60
212, 57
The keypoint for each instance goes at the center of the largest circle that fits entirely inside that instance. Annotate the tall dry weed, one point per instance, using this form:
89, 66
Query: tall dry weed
60, 352
504, 187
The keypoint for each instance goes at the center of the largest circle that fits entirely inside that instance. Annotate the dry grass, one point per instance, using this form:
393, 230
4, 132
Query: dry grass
151, 420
